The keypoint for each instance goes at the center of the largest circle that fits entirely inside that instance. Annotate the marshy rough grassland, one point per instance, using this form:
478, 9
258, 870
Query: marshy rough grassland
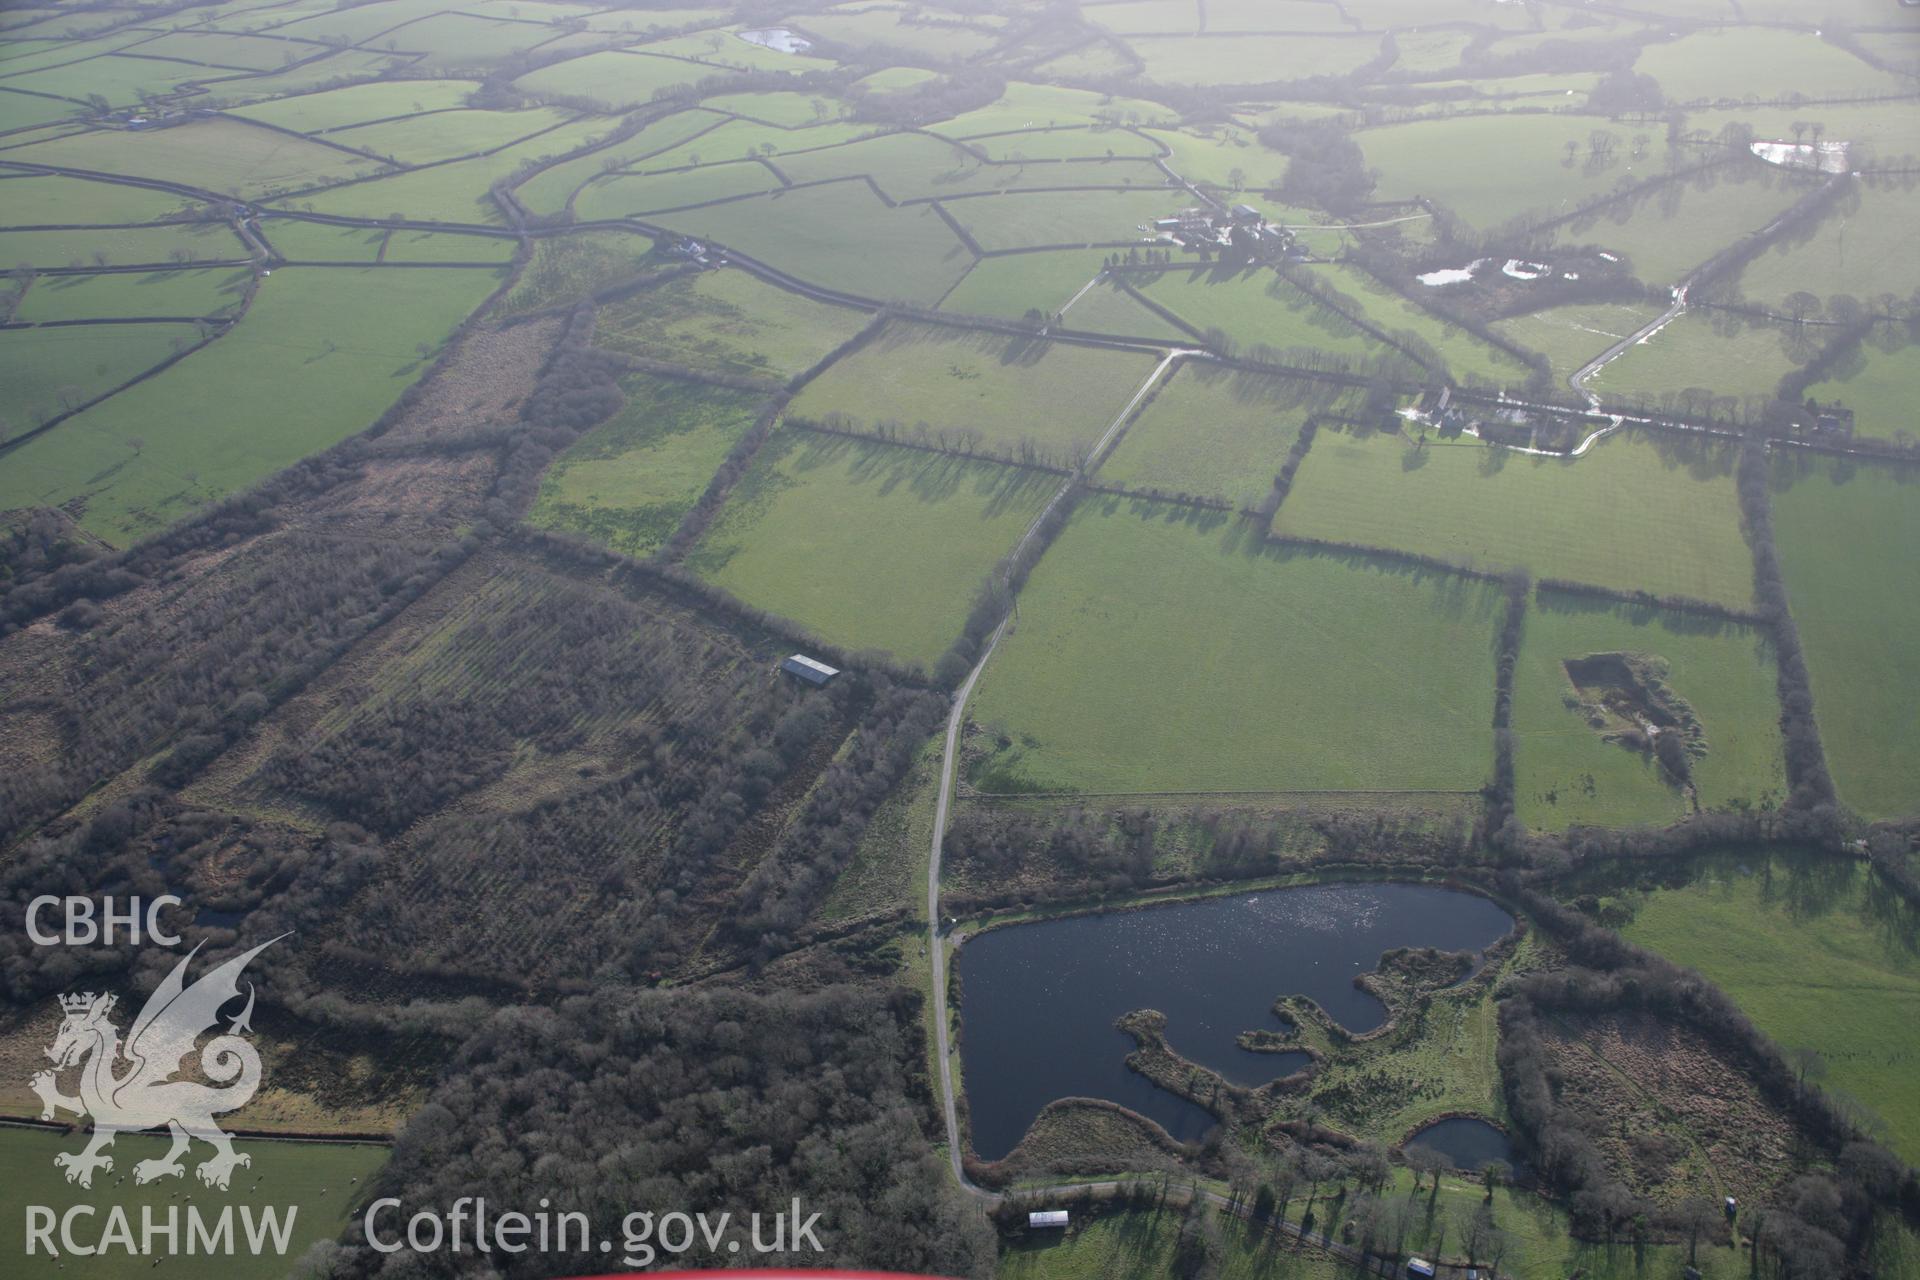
1206, 450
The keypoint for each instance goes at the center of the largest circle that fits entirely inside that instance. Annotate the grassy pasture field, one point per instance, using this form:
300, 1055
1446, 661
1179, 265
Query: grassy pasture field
1216, 433
786, 110
457, 41
298, 241
1256, 306
49, 371
53, 200
1881, 384
1018, 221
628, 482
1845, 534
1670, 230
1880, 131
1465, 354
25, 110
455, 192
1106, 308
1727, 64
446, 135
1633, 514
122, 246
319, 355
1072, 142
1570, 336
548, 190
1863, 248
1040, 106
870, 546
616, 79
1487, 169
1818, 953
360, 103
840, 236
122, 81
862, 25
1161, 649
1226, 159
624, 195
322, 73
1727, 355
727, 321
1014, 284
1273, 15
361, 22
219, 49
739, 138
1223, 60
228, 156
906, 166
323, 1181
1002, 390
207, 291
448, 246
1566, 774
1146, 17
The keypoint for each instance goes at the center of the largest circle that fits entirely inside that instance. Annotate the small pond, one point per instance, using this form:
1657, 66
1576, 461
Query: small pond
1466, 1143
1039, 1000
779, 39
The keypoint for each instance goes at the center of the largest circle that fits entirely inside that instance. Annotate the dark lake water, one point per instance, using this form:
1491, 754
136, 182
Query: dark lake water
1039, 1000
1467, 1143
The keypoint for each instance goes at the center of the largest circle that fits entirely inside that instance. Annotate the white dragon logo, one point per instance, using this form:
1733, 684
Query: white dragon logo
145, 1095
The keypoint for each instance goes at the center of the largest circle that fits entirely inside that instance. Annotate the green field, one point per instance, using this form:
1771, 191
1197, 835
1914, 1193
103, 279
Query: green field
1672, 229
1572, 335
321, 1184
52, 200
445, 135
455, 192
1067, 142
1567, 774
1719, 353
1041, 106
730, 322
1713, 66
49, 371
1633, 514
616, 79
1107, 308
1201, 60
1162, 650
549, 190
1862, 248
1000, 391
888, 26
841, 236
450, 246
624, 195
1215, 433
1466, 355
1845, 534
228, 156
1011, 285
628, 482
1819, 954
1487, 169
209, 291
357, 104
1881, 384
1256, 307
1018, 221
298, 241
320, 354
122, 246
870, 546
1227, 159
